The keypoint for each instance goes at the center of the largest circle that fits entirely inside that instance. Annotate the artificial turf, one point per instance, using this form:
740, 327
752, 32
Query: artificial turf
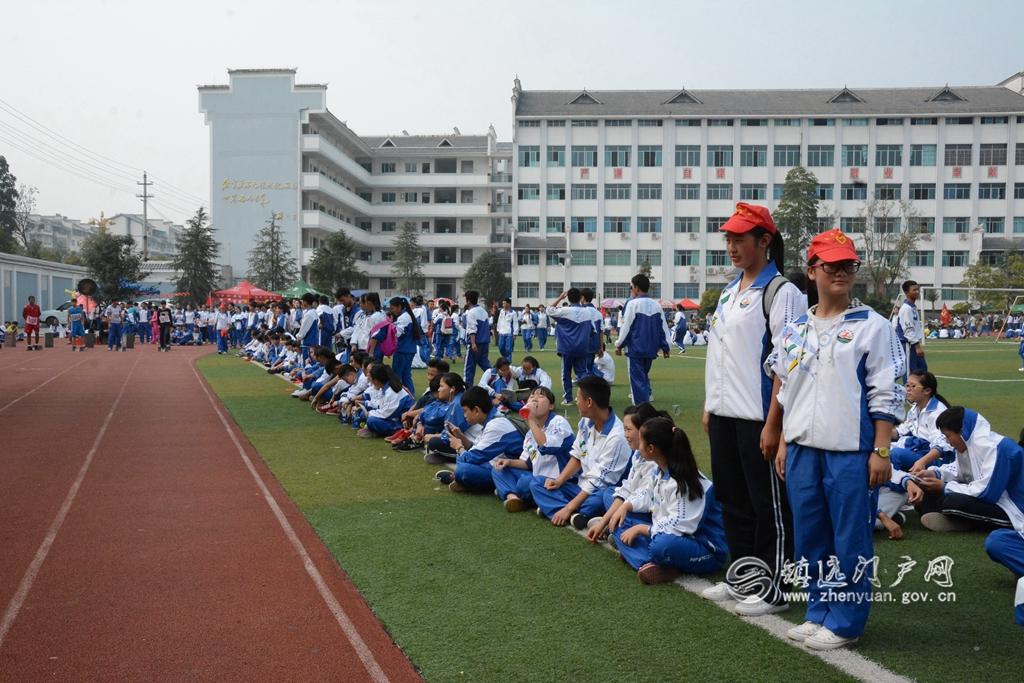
472, 593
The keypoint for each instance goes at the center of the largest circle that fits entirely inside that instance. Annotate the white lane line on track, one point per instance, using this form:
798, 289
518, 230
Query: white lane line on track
40, 386
11, 613
978, 379
346, 624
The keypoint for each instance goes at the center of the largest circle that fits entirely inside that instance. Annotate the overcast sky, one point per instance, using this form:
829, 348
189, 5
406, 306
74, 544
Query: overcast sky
119, 78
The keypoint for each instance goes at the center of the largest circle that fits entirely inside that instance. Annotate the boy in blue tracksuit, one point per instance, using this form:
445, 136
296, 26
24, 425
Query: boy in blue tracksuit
409, 334
309, 332
597, 321
325, 322
573, 338
478, 334
644, 333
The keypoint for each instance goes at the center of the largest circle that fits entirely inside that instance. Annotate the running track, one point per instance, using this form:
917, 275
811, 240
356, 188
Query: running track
141, 537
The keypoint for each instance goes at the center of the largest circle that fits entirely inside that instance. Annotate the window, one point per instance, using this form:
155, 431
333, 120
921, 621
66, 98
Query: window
754, 122
992, 154
959, 120
529, 156
648, 224
552, 290
888, 191
823, 122
687, 155
529, 191
556, 191
787, 155
921, 259
922, 190
466, 166
719, 191
887, 226
922, 155
719, 155
990, 120
688, 123
387, 283
410, 167
821, 155
727, 123
686, 224
447, 255
466, 225
715, 224
686, 257
718, 257
1018, 190
649, 155
956, 191
556, 156
583, 224
824, 192
527, 290
616, 224
387, 197
1018, 157
553, 257
387, 226
584, 123
651, 256
995, 259
619, 123
755, 191
466, 197
788, 122
584, 257
685, 290
616, 290
527, 257
616, 191
925, 226
889, 155
648, 191
616, 257
753, 155
555, 225
991, 190
556, 123
387, 255
687, 191
1018, 224
387, 167
958, 155
410, 197
466, 255
855, 155
648, 123
924, 121
954, 259
529, 224
822, 223
858, 123
951, 225
616, 155
852, 226
584, 191
529, 124
889, 122
584, 155
993, 225
852, 191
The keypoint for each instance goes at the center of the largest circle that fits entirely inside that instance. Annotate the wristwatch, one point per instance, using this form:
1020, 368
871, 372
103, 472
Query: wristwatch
881, 451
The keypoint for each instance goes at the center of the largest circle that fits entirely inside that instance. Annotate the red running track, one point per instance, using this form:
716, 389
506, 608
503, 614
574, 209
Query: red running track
141, 537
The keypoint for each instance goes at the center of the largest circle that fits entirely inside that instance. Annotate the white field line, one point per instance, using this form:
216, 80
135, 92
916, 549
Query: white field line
40, 386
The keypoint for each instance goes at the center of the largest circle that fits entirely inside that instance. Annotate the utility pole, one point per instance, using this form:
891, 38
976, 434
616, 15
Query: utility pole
145, 197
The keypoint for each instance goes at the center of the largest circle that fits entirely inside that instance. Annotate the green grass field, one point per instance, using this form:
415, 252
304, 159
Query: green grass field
472, 593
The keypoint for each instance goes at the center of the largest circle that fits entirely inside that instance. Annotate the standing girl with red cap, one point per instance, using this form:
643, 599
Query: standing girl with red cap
742, 417
839, 366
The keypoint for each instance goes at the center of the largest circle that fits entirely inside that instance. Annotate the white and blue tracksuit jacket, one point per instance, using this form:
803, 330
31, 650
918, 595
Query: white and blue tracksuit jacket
640, 469
672, 511
907, 322
644, 331
388, 404
538, 375
478, 325
548, 460
603, 455
500, 439
920, 425
575, 329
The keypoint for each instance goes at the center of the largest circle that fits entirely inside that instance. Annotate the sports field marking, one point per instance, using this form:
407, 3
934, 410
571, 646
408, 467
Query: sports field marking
977, 379
11, 613
40, 386
349, 628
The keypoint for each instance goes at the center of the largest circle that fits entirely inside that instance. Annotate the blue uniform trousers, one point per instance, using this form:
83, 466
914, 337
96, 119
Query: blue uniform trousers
506, 343
383, 427
528, 339
685, 553
639, 380
473, 476
572, 364
512, 480
401, 364
114, 336
1006, 546
476, 360
551, 502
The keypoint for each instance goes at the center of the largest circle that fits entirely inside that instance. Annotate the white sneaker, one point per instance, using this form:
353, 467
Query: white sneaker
297, 392
824, 639
803, 631
717, 593
755, 606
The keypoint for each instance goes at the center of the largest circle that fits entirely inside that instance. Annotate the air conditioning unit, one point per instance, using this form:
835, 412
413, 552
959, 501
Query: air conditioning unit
590, 236
693, 277
963, 237
655, 235
926, 237
623, 235
693, 237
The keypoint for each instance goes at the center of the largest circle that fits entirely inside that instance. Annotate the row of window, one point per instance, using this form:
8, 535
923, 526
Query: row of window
890, 121
441, 166
617, 290
440, 255
691, 257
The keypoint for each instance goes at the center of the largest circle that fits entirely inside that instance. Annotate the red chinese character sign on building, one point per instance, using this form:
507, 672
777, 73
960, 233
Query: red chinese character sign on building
719, 172
687, 173
993, 172
584, 173
617, 173
957, 172
887, 172
855, 173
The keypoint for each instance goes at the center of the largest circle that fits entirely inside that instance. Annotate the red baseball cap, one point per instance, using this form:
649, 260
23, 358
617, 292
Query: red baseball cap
747, 217
832, 246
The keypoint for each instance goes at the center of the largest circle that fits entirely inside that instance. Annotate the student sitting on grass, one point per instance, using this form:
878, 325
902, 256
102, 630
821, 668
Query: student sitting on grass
604, 365
428, 419
640, 469
686, 534
502, 437
287, 361
315, 375
545, 453
530, 371
331, 401
600, 456
435, 368
325, 395
439, 448
351, 401
917, 442
384, 416
497, 379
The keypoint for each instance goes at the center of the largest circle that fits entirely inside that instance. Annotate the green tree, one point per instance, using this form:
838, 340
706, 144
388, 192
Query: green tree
112, 260
797, 213
196, 262
271, 264
709, 301
24, 228
891, 232
334, 265
408, 257
980, 275
489, 275
8, 208
645, 268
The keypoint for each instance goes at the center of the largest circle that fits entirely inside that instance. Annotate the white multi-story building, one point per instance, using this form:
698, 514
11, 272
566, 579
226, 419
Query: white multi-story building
67, 234
60, 233
277, 151
160, 239
608, 180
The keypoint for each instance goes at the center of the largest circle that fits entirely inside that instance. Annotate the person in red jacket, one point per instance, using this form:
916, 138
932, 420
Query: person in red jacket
31, 315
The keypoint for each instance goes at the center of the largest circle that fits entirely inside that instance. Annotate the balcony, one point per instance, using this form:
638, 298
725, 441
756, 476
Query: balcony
501, 178
501, 208
315, 182
318, 220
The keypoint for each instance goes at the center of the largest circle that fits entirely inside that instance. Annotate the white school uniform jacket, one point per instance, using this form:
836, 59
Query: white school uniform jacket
736, 383
992, 469
542, 319
908, 324
358, 389
387, 403
488, 378
478, 324
605, 366
538, 375
508, 322
526, 320
223, 321
921, 423
672, 511
543, 459
603, 455
309, 319
834, 386
644, 331
640, 471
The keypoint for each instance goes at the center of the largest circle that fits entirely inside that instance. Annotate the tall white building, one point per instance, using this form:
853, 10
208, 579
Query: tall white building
277, 151
608, 180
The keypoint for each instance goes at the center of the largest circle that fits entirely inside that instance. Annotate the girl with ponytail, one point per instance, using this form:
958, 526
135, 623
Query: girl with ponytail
685, 534
919, 443
407, 333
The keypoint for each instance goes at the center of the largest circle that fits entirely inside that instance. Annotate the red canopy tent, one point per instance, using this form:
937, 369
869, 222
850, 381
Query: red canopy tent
688, 304
244, 292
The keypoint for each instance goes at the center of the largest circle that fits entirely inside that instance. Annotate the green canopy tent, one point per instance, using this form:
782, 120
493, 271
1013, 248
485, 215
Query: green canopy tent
297, 289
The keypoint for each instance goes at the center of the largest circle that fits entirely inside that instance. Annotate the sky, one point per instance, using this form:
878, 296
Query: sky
108, 88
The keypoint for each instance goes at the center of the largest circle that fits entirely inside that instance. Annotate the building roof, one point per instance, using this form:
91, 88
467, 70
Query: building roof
820, 102
426, 141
